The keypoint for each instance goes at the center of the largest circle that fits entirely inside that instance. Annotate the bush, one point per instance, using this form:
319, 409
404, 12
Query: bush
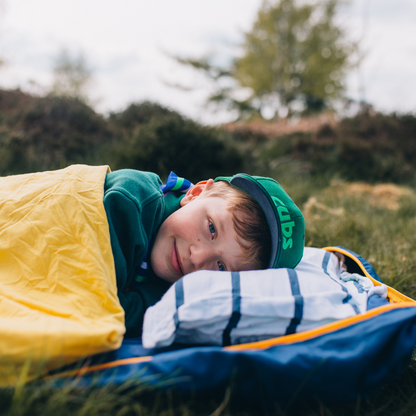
139, 113
370, 147
44, 133
175, 143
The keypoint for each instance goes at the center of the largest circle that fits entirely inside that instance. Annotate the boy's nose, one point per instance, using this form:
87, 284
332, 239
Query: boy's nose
202, 257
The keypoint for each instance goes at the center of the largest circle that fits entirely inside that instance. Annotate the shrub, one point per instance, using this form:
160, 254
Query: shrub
176, 143
139, 113
370, 147
43, 133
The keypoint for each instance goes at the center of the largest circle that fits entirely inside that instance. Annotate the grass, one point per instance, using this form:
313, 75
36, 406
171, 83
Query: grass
378, 222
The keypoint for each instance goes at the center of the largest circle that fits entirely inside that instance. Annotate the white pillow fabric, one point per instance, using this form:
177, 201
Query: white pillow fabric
223, 308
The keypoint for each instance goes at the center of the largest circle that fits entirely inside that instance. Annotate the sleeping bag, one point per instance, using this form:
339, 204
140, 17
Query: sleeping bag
58, 294
336, 361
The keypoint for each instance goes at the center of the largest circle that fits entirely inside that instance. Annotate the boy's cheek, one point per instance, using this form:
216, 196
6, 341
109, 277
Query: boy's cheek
158, 262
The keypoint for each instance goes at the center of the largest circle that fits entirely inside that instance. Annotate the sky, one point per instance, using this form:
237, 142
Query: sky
128, 45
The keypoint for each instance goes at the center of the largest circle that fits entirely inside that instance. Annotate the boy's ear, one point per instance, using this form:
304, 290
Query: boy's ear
195, 191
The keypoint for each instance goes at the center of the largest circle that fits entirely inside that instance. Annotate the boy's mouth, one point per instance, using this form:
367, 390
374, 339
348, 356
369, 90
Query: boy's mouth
176, 263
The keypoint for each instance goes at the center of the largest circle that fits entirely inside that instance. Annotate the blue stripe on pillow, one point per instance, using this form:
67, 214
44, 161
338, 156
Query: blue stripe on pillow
235, 317
179, 299
294, 285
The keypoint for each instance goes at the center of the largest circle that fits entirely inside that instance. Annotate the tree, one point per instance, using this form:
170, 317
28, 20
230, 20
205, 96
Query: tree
72, 76
294, 54
295, 57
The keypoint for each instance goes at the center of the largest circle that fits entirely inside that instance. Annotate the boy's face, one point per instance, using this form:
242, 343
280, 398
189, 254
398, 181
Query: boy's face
198, 236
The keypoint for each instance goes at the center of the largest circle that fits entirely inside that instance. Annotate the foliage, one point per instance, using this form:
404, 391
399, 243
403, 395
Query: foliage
172, 142
295, 57
43, 133
294, 52
139, 113
370, 147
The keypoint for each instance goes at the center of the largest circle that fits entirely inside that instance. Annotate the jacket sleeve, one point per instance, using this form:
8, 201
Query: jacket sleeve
134, 207
137, 301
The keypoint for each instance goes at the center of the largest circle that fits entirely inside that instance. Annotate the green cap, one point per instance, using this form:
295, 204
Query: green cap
286, 223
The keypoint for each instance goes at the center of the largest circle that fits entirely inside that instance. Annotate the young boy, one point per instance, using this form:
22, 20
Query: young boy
233, 223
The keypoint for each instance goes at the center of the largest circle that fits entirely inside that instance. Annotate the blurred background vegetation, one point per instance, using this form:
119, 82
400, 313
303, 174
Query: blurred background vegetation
50, 132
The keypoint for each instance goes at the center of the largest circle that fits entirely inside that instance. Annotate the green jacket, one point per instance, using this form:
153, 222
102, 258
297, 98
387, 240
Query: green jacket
135, 209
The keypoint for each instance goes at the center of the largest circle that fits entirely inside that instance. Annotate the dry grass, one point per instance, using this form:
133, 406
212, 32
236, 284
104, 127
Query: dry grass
283, 126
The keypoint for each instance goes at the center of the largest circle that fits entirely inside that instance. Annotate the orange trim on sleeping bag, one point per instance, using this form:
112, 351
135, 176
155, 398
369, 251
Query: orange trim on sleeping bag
335, 326
86, 369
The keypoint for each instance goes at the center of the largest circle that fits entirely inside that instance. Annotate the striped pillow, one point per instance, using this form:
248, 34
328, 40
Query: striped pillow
224, 308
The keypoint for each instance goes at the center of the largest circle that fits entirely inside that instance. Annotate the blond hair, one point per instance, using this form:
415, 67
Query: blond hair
249, 223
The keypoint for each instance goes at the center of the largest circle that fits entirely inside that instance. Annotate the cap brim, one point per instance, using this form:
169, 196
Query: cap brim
254, 188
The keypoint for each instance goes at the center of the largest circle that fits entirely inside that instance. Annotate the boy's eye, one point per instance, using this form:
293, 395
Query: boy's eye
211, 228
221, 267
